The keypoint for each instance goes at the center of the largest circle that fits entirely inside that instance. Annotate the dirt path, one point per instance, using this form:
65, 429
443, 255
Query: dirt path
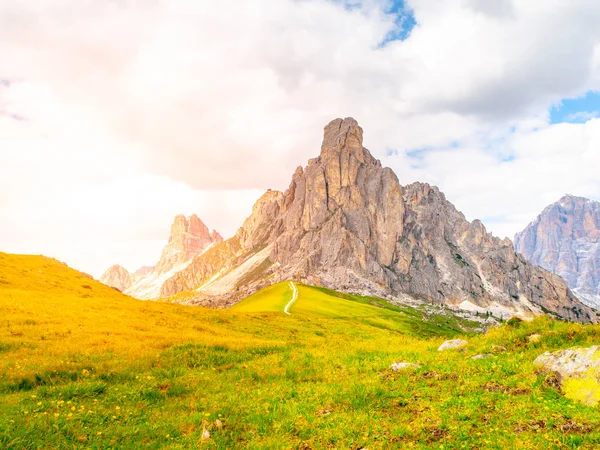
294, 298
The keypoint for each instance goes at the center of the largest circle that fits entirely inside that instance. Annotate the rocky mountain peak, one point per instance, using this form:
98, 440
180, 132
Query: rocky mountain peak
570, 199
192, 225
117, 276
189, 237
346, 194
197, 227
565, 239
180, 226
340, 134
343, 140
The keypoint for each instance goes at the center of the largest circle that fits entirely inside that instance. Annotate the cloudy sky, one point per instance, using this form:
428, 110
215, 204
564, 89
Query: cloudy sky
115, 115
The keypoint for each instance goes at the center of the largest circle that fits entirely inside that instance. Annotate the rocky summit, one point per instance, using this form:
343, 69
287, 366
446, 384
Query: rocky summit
118, 277
345, 222
189, 238
565, 239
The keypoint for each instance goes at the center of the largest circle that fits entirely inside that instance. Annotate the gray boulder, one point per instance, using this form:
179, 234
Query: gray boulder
396, 367
578, 370
455, 343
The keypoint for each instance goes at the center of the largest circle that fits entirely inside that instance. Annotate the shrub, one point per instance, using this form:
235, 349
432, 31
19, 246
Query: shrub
514, 322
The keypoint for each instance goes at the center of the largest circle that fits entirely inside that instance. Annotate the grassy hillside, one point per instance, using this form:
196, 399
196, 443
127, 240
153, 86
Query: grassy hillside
82, 365
272, 298
317, 302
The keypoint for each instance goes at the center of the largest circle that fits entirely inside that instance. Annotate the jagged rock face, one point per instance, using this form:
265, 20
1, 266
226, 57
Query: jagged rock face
118, 277
189, 238
215, 237
565, 239
444, 257
342, 215
263, 223
346, 223
202, 268
338, 218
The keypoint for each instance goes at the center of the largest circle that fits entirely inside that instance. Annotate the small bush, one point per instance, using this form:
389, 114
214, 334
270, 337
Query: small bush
514, 322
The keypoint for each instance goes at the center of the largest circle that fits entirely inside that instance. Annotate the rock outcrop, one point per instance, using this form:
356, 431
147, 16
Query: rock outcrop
346, 223
565, 239
189, 238
578, 370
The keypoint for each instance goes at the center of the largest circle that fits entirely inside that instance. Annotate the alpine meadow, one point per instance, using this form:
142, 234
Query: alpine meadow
85, 366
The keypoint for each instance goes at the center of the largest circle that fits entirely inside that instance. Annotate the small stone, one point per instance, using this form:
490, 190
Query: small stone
323, 412
218, 423
403, 366
534, 338
455, 343
483, 356
205, 435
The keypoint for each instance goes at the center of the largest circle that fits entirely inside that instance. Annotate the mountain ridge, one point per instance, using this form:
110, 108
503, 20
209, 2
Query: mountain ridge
346, 223
565, 239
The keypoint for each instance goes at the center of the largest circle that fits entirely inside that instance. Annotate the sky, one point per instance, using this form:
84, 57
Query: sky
116, 115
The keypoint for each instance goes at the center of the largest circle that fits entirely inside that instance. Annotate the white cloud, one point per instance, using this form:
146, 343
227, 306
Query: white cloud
583, 116
137, 111
71, 192
514, 179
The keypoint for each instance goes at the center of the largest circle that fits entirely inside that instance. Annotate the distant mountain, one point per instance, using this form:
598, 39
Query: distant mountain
565, 239
189, 237
346, 223
118, 277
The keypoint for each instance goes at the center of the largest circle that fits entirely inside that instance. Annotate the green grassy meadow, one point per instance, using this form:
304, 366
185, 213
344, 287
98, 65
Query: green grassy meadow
83, 366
